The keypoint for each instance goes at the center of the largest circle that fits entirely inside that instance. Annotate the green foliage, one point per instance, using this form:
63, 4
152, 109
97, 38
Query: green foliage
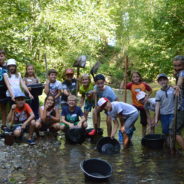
150, 32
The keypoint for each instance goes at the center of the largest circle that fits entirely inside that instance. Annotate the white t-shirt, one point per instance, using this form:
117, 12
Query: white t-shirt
15, 85
121, 108
53, 90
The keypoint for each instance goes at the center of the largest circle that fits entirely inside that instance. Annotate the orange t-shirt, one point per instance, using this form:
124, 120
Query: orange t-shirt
22, 114
136, 88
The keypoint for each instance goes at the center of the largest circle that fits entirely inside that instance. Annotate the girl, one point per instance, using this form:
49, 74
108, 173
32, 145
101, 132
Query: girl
49, 115
31, 78
15, 80
87, 94
135, 87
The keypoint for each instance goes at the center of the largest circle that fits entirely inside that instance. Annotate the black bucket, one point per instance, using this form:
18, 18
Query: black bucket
8, 137
153, 141
96, 169
36, 89
106, 145
75, 135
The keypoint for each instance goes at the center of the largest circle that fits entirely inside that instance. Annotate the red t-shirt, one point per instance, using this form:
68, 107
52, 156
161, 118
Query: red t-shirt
22, 114
136, 88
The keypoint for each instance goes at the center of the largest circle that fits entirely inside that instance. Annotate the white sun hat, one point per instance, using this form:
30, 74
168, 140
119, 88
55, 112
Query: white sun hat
11, 62
140, 95
102, 101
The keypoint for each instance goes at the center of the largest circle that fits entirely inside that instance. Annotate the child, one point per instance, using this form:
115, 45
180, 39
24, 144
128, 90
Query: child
149, 104
69, 86
49, 115
87, 94
127, 115
21, 117
53, 86
31, 78
15, 80
102, 91
164, 103
4, 84
135, 87
72, 115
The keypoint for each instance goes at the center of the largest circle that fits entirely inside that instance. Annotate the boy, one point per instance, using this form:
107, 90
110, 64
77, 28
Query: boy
4, 84
21, 117
69, 86
102, 91
72, 115
178, 63
164, 104
149, 105
53, 87
126, 113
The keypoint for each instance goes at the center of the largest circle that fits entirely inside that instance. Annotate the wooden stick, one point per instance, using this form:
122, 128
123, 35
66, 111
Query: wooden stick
46, 66
125, 78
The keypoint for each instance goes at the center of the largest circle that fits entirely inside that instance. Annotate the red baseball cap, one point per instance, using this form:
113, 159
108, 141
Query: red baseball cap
102, 101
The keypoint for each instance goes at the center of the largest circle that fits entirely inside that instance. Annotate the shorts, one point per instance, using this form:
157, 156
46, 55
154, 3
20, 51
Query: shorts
166, 121
88, 106
17, 126
3, 98
67, 126
130, 120
143, 116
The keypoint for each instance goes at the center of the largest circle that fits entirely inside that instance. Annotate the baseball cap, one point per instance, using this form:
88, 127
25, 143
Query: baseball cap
69, 71
102, 101
20, 95
162, 75
140, 95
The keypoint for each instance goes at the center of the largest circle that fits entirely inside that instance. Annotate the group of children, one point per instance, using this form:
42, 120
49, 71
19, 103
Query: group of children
60, 110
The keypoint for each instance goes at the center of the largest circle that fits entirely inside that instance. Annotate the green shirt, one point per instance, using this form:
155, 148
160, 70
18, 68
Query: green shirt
84, 91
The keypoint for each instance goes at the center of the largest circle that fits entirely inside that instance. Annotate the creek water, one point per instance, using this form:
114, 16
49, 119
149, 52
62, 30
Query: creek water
51, 161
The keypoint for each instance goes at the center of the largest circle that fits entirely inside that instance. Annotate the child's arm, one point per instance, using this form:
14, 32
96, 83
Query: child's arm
66, 92
82, 120
82, 100
43, 113
31, 117
55, 118
46, 89
58, 94
10, 117
8, 86
178, 86
66, 122
157, 110
22, 83
114, 130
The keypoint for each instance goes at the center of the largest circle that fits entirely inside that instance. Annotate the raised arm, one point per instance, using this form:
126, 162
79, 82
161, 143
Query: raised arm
46, 89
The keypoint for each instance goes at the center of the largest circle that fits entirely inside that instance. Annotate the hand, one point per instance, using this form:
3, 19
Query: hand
48, 114
13, 98
177, 90
23, 126
112, 136
13, 107
79, 125
31, 96
47, 82
122, 129
71, 125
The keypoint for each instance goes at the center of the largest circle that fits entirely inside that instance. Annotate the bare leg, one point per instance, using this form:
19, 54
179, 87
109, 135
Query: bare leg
3, 112
144, 130
31, 129
96, 118
180, 141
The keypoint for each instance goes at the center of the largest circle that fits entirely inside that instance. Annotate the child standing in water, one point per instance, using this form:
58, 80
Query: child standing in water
4, 84
31, 78
135, 87
15, 80
87, 94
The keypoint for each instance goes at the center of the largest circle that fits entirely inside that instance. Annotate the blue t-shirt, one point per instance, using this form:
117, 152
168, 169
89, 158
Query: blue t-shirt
72, 116
107, 93
2, 83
